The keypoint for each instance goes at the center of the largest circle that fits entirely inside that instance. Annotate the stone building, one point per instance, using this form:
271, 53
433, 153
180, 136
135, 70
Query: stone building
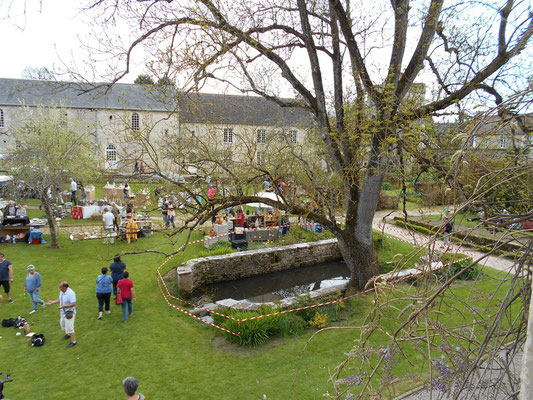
116, 116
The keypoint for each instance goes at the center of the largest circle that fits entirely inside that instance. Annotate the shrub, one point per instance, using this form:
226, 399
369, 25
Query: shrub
291, 325
252, 333
304, 301
217, 249
320, 320
469, 275
386, 186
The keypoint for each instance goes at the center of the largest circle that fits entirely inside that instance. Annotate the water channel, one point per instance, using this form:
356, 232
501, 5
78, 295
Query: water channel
278, 285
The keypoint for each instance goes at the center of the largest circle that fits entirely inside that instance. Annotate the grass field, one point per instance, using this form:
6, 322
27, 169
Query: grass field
173, 356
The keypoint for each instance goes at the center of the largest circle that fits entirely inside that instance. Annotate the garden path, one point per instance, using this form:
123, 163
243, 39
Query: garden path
496, 262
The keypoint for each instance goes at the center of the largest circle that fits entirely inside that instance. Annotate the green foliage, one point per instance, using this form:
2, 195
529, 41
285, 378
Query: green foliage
386, 186
160, 335
251, 333
216, 249
256, 332
304, 301
320, 320
144, 79
470, 274
483, 248
291, 325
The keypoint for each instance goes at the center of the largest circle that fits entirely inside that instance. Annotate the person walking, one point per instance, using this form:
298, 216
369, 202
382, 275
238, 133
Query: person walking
126, 290
117, 268
104, 287
6, 276
130, 385
74, 191
126, 191
164, 212
67, 309
33, 287
171, 214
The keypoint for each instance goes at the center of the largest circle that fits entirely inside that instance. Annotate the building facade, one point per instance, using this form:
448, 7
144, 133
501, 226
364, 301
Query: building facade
120, 117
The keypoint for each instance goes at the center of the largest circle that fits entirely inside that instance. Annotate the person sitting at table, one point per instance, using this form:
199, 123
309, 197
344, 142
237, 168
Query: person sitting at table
21, 211
11, 209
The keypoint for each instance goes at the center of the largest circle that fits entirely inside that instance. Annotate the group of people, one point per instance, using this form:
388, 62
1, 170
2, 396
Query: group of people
117, 283
13, 210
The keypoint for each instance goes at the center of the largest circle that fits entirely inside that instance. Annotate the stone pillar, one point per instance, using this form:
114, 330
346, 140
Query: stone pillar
185, 281
526, 383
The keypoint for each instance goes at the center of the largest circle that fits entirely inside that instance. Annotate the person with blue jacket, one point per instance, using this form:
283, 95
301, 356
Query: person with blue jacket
117, 269
104, 287
33, 287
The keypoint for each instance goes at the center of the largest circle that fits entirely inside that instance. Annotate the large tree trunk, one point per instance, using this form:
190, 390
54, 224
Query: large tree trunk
51, 221
360, 258
356, 243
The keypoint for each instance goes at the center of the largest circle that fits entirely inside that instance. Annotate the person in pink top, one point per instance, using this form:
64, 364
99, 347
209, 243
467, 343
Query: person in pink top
211, 194
126, 290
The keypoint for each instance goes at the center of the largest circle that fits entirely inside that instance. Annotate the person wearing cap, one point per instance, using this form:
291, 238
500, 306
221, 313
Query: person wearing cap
33, 287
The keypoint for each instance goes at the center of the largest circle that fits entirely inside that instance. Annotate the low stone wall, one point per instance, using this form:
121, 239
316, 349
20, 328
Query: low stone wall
228, 267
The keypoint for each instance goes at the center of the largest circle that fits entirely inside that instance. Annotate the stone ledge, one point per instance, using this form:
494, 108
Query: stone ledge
284, 303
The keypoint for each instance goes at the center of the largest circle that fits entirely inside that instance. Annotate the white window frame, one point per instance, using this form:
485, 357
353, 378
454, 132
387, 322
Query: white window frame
261, 136
2, 121
63, 118
228, 135
293, 136
503, 142
260, 157
135, 122
111, 153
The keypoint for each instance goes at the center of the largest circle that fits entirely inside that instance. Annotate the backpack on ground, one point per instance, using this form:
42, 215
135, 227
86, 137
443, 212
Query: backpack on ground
37, 340
8, 322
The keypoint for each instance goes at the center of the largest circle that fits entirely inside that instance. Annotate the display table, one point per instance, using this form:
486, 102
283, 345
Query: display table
262, 235
14, 230
88, 211
141, 223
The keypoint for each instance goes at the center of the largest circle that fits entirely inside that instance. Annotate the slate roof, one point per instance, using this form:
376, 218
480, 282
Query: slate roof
240, 110
194, 108
121, 96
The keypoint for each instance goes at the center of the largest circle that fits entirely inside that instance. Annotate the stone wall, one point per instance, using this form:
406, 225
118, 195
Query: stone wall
227, 267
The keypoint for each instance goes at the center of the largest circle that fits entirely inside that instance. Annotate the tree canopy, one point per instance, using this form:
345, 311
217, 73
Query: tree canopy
352, 65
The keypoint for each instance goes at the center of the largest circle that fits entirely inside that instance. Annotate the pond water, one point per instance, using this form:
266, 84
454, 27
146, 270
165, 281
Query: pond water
278, 285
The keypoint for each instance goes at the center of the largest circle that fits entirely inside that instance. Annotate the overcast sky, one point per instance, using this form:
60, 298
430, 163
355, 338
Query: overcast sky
40, 36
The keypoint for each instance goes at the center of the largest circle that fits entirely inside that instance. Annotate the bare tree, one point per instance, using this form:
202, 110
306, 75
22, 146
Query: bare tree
352, 66
38, 73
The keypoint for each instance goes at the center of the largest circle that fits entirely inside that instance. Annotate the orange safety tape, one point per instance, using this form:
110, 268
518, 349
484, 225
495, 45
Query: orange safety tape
165, 297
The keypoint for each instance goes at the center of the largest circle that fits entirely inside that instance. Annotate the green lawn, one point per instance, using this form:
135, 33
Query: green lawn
173, 356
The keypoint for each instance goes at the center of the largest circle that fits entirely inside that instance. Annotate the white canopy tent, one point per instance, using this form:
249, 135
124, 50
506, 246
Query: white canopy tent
268, 195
